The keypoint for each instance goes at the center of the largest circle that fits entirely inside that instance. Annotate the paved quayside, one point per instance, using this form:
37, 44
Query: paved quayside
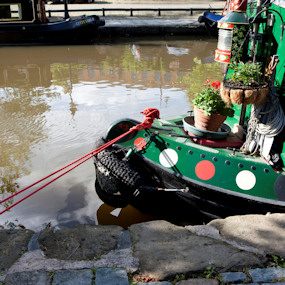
138, 27
144, 23
236, 250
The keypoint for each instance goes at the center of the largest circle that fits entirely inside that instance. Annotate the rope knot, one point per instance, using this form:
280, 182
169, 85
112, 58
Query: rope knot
150, 115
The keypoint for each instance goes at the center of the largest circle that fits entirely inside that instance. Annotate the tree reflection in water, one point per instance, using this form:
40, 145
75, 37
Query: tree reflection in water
22, 127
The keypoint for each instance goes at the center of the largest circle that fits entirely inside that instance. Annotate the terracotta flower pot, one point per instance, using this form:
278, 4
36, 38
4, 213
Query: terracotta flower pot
211, 123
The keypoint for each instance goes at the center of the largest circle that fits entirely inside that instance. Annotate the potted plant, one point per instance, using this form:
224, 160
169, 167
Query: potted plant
244, 85
210, 111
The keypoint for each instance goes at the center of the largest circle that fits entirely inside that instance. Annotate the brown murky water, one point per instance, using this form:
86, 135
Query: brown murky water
56, 101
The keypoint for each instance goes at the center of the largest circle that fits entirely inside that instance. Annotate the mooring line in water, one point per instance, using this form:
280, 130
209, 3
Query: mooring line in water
150, 115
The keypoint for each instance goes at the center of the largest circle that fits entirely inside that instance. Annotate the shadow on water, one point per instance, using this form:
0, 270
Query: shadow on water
75, 200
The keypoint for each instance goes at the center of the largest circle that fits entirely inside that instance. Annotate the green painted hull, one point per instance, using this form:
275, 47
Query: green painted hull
221, 181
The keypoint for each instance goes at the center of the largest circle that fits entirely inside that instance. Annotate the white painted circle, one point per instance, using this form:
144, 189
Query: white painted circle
245, 180
168, 157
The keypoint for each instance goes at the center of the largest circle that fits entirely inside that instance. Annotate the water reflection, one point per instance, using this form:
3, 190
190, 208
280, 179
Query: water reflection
22, 127
55, 102
124, 217
128, 63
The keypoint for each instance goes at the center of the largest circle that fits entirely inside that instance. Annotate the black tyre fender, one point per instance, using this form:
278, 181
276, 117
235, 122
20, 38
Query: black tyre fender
123, 174
103, 175
114, 175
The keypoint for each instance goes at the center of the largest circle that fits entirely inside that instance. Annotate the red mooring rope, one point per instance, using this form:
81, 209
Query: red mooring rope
150, 115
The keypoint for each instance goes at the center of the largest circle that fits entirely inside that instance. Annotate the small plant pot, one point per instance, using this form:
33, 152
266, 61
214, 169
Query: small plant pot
210, 123
243, 94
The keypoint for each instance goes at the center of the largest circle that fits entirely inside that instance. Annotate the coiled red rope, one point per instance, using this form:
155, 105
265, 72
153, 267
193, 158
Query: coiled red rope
150, 115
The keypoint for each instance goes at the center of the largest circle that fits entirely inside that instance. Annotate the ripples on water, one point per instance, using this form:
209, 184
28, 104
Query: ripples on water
56, 101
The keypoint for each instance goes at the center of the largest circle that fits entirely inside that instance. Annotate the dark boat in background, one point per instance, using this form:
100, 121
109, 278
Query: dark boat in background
24, 22
210, 19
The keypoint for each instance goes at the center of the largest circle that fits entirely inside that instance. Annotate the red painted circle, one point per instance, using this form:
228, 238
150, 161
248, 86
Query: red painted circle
205, 170
140, 143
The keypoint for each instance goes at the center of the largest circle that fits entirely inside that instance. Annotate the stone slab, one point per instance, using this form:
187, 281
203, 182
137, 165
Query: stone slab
200, 281
109, 276
28, 278
234, 277
84, 242
13, 243
164, 249
124, 240
212, 232
265, 232
73, 277
272, 274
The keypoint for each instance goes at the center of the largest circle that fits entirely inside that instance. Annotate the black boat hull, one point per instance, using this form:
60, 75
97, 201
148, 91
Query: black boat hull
213, 201
78, 31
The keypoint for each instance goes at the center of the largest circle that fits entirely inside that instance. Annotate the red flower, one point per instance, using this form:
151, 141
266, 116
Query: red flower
216, 84
208, 80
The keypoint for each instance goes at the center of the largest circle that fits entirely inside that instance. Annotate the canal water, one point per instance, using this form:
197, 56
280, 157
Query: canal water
56, 101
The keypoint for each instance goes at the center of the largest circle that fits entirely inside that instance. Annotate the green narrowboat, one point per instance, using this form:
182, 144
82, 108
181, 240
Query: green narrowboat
238, 169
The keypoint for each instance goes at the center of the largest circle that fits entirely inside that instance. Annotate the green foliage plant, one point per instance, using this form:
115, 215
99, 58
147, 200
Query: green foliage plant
211, 102
209, 272
247, 73
278, 261
179, 277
